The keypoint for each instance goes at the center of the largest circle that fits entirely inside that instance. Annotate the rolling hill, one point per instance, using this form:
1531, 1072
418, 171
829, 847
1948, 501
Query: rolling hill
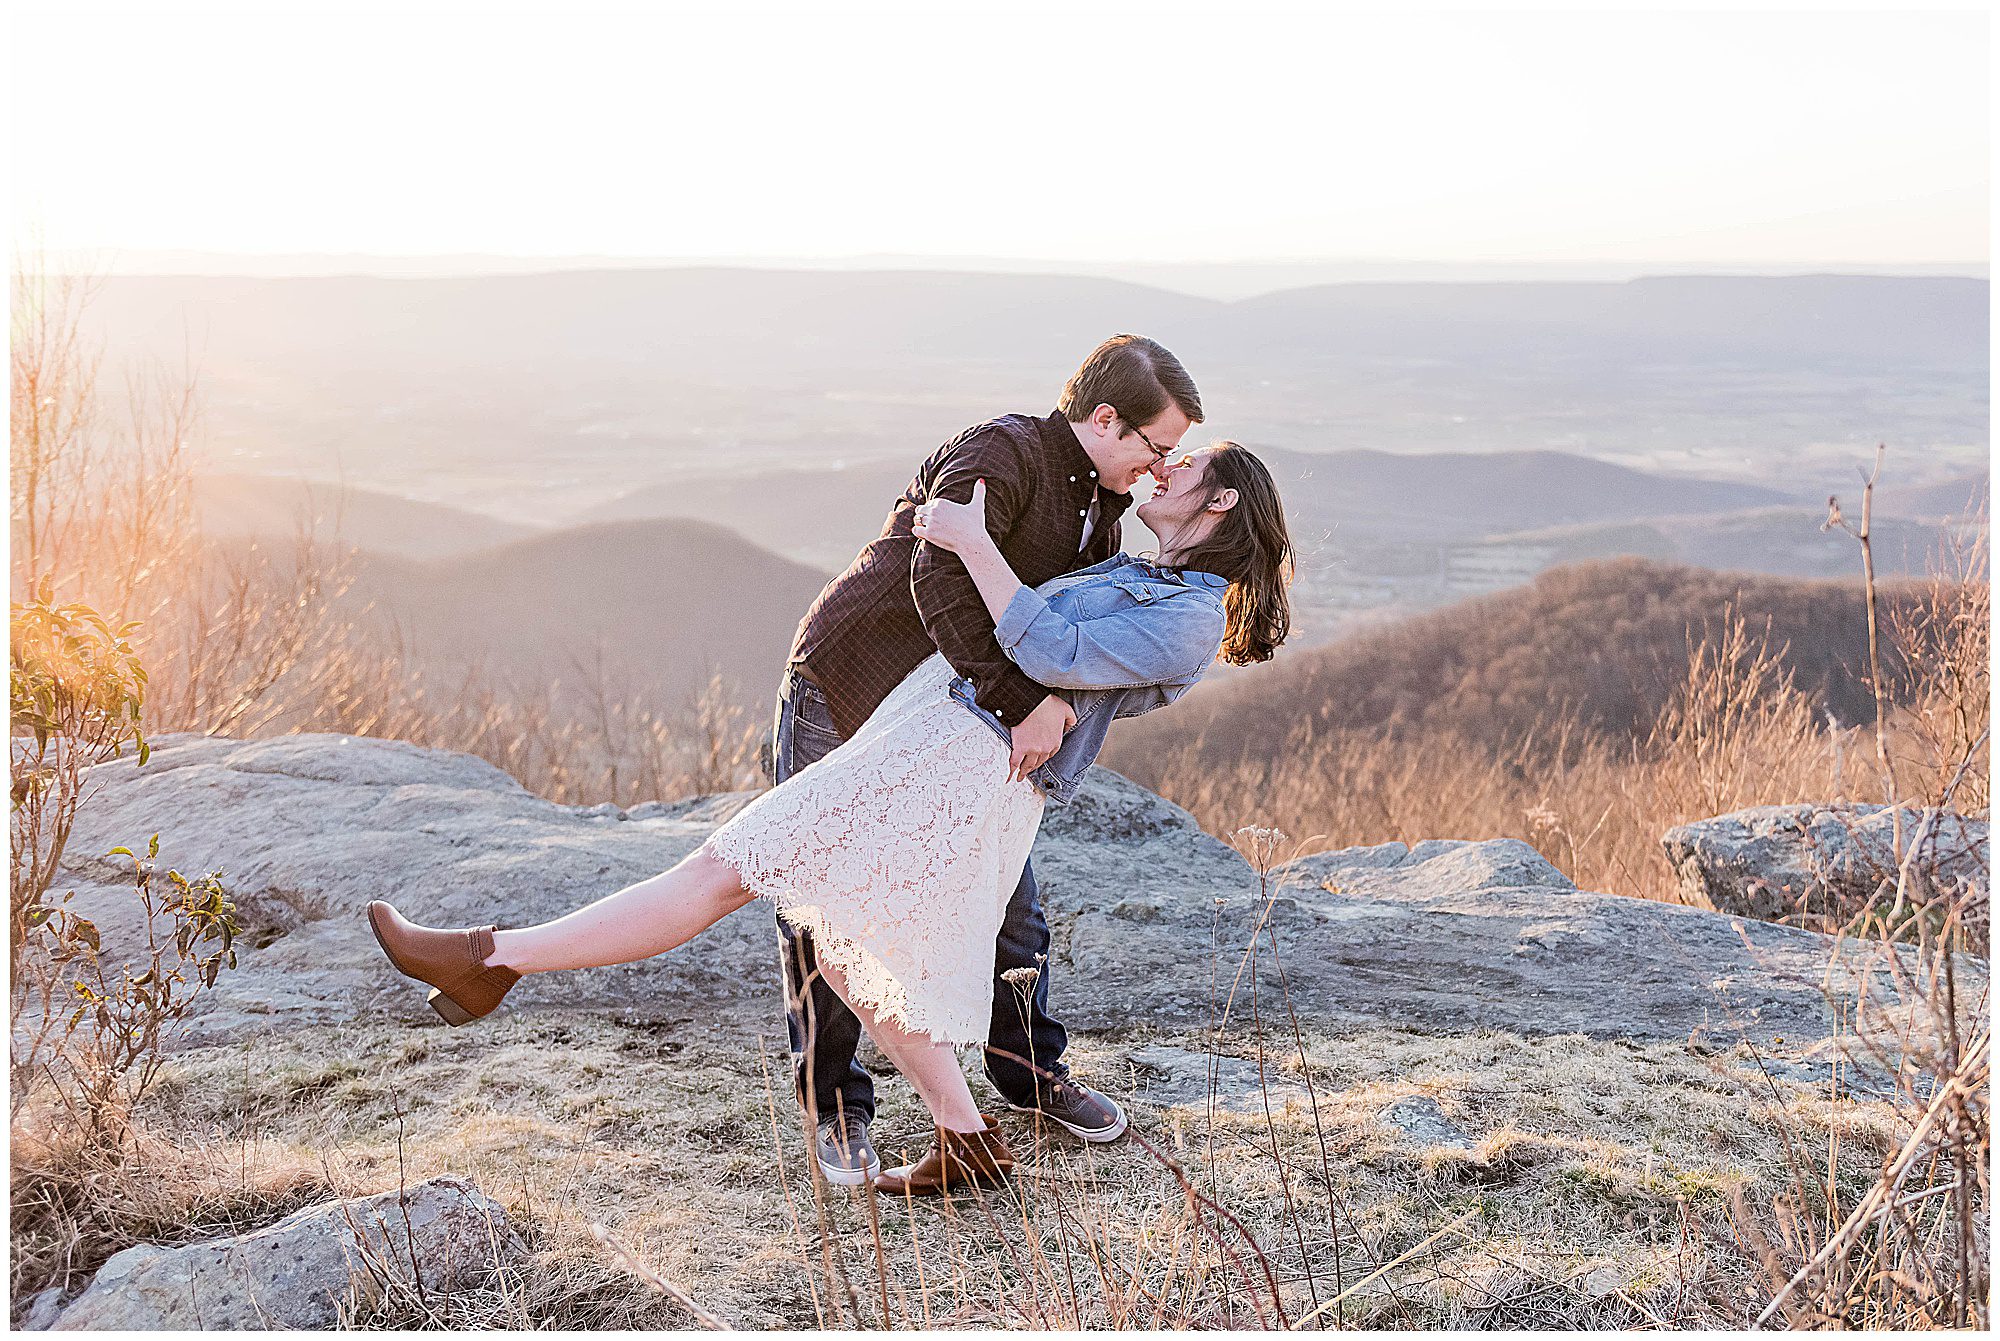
240, 505
1776, 541
1609, 639
1455, 496
1967, 494
818, 517
668, 602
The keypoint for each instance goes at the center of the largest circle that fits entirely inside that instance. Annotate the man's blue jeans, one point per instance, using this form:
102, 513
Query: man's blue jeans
825, 1033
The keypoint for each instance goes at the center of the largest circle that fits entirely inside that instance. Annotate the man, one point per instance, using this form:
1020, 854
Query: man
1055, 490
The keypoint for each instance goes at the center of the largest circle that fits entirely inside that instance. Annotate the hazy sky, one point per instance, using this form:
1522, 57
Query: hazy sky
1115, 131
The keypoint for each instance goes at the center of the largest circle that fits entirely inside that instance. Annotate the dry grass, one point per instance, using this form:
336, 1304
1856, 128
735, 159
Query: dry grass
596, 737
73, 1207
1597, 1191
1737, 734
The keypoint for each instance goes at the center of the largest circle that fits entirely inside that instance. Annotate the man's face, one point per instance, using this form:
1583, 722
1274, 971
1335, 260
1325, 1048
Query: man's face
1121, 453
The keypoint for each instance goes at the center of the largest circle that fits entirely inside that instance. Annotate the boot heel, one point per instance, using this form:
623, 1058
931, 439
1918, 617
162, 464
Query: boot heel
453, 1013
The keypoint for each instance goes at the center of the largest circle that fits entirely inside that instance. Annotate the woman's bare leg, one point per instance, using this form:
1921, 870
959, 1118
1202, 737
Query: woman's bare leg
637, 922
930, 1066
671, 908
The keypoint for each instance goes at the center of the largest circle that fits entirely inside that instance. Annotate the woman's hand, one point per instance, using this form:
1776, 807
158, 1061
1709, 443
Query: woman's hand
958, 527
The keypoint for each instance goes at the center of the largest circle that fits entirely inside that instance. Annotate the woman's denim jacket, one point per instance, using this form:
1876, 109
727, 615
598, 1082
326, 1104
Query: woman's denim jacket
1119, 638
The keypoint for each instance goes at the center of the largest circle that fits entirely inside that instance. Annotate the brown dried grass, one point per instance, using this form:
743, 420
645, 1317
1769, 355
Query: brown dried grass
1737, 734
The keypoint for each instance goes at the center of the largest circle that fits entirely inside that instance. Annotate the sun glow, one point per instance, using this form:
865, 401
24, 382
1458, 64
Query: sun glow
1115, 133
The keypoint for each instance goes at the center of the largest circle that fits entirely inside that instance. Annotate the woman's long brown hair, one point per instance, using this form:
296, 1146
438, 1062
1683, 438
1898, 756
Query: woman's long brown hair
1252, 547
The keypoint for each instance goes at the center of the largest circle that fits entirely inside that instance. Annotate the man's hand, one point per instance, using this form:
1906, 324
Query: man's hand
1039, 736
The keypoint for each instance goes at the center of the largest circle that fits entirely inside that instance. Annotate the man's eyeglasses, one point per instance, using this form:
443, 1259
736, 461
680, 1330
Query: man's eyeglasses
1159, 453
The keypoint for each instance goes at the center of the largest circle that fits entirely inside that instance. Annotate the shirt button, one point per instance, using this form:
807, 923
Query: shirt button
1093, 474
1083, 512
1072, 479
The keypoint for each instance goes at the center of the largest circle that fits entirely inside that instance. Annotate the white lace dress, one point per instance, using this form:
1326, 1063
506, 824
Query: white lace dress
898, 851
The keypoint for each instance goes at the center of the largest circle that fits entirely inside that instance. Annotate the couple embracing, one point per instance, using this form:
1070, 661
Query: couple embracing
955, 680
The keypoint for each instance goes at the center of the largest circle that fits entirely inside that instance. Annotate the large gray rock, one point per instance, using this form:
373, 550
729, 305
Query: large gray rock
311, 1270
1443, 936
1151, 917
1821, 862
307, 829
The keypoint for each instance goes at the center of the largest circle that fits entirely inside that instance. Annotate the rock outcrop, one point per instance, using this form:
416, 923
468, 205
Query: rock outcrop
1823, 862
320, 824
314, 1269
1452, 935
1174, 961
1147, 910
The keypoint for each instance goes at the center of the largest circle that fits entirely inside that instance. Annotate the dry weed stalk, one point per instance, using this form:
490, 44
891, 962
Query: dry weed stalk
1893, 1257
1025, 1248
587, 736
102, 508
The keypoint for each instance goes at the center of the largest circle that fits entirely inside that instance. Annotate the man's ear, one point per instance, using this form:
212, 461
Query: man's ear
1101, 418
1223, 501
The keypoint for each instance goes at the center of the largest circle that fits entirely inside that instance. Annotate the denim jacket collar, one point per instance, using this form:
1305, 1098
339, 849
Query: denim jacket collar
1187, 577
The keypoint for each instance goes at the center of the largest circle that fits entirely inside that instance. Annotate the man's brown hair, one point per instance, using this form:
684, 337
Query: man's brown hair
1136, 377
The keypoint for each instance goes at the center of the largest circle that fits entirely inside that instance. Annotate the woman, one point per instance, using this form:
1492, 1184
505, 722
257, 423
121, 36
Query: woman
898, 849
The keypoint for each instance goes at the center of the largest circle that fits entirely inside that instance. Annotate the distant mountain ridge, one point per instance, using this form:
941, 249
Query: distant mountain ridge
1225, 280
1469, 495
1712, 319
264, 505
540, 397
1776, 541
1433, 496
669, 602
1968, 494
715, 318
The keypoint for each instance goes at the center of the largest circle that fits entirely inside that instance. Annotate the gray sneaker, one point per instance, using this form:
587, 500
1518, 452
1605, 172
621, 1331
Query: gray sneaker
846, 1155
1089, 1115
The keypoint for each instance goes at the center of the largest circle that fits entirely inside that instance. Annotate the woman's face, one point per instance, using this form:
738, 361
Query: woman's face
1180, 499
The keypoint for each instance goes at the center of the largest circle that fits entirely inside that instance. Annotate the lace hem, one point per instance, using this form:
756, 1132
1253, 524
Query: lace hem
897, 851
871, 983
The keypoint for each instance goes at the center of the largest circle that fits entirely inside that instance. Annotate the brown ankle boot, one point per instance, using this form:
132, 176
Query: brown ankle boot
956, 1159
463, 985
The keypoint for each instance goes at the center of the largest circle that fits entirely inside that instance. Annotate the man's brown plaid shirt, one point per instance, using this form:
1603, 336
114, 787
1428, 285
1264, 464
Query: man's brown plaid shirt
900, 600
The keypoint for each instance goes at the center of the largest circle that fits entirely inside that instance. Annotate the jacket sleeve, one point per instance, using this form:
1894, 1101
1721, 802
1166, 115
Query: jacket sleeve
1172, 637
948, 600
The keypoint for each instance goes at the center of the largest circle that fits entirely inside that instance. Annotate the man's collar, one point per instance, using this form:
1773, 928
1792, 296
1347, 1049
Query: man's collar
1060, 438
